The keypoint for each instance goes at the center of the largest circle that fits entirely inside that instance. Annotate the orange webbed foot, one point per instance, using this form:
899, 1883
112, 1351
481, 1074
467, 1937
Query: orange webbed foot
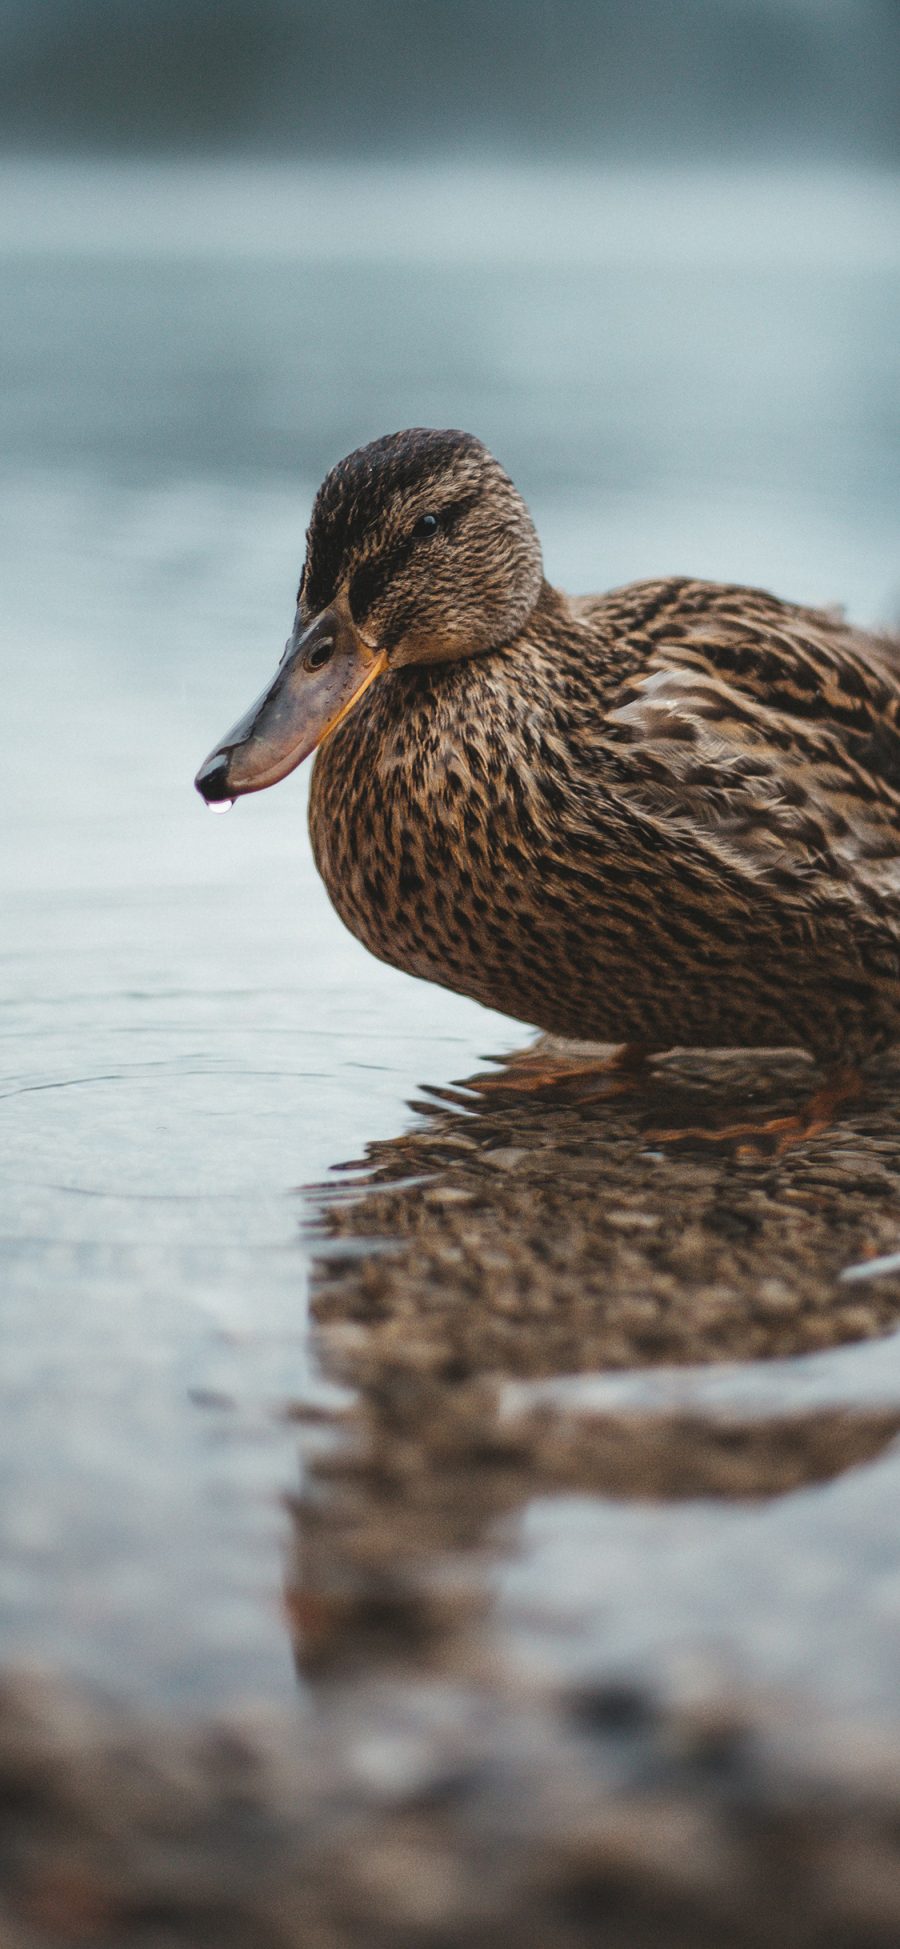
571, 1077
772, 1136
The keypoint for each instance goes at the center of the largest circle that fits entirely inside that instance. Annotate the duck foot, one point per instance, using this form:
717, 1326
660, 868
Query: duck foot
570, 1076
757, 1138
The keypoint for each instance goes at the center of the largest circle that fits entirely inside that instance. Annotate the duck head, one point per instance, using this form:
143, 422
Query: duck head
419, 550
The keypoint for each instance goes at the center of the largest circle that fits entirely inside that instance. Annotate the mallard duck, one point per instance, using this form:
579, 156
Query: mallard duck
668, 815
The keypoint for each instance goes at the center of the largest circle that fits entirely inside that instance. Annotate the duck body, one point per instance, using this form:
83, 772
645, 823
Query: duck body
667, 816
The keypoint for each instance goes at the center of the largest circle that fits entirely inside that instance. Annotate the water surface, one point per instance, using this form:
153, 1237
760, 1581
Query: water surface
683, 374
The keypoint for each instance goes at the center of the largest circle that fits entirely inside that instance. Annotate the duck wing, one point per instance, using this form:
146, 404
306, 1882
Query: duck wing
772, 732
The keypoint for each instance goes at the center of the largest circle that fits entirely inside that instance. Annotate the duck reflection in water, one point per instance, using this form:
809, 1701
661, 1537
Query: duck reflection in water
513, 1237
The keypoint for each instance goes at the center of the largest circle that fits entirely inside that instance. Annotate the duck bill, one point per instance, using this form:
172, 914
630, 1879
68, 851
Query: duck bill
325, 669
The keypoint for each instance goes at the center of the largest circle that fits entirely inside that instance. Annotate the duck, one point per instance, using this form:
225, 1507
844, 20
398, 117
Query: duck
667, 816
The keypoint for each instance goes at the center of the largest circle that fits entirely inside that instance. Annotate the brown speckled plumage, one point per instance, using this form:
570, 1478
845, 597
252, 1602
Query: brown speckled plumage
668, 815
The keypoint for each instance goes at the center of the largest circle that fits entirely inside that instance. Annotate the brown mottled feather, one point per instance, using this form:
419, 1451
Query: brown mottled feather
669, 815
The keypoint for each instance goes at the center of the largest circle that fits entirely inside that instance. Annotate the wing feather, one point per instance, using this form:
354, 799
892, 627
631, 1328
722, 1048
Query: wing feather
776, 737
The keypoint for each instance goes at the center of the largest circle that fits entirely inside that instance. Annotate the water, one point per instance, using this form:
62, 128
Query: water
682, 373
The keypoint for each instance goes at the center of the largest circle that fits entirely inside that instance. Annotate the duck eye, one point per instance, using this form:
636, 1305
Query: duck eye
426, 525
319, 654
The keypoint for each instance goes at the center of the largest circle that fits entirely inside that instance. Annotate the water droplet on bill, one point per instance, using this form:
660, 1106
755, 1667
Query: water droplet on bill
219, 805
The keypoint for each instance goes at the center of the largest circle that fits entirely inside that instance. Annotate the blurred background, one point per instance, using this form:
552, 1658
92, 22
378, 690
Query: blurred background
810, 79
651, 254
648, 253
